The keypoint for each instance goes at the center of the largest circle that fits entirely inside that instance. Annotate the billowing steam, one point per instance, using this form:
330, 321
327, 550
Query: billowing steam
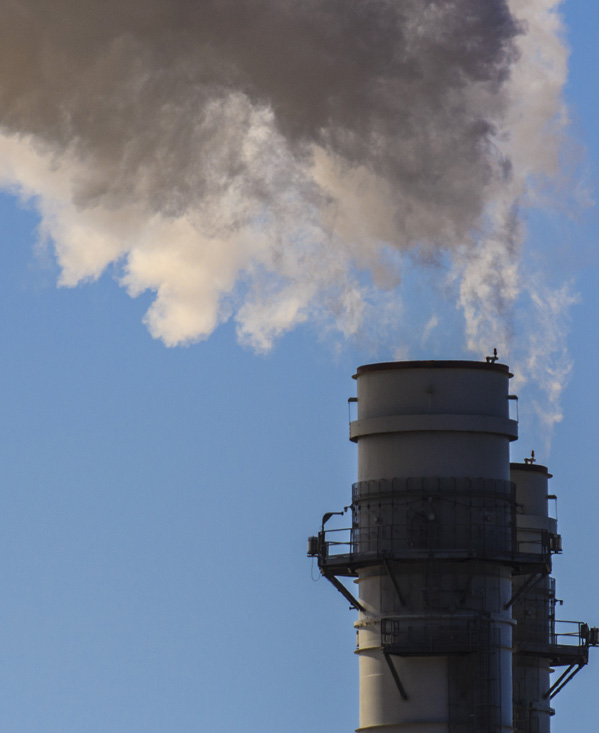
275, 161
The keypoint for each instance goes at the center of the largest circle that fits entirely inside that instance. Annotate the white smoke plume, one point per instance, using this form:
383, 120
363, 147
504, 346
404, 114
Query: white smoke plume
273, 161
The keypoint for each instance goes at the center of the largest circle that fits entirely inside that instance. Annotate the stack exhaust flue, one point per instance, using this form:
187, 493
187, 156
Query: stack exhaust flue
451, 549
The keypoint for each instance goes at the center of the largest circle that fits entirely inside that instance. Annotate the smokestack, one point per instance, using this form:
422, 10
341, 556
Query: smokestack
451, 549
534, 591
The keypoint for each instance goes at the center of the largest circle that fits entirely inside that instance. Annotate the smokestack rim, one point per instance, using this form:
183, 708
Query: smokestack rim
534, 467
431, 364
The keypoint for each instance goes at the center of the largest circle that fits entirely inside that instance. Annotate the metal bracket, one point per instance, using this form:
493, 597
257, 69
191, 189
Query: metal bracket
530, 583
393, 579
562, 681
400, 687
344, 592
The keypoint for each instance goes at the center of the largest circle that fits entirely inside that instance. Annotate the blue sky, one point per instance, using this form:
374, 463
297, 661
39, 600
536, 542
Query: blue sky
157, 501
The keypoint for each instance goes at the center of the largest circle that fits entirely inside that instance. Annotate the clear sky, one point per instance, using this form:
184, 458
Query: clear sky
157, 500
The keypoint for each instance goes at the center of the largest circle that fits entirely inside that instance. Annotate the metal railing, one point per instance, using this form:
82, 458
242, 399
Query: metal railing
342, 544
428, 486
457, 635
391, 541
538, 542
573, 634
409, 538
404, 517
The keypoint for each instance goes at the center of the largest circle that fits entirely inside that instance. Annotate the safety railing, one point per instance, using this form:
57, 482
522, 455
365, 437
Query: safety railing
336, 543
431, 485
402, 518
574, 634
537, 542
370, 544
438, 635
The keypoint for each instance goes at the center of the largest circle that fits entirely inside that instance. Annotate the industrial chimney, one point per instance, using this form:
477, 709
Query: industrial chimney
450, 547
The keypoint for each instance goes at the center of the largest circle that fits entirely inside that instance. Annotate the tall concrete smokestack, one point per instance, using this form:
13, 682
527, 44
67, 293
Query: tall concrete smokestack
451, 550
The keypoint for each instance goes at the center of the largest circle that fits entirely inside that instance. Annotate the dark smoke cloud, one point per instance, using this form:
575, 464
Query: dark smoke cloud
273, 160
139, 90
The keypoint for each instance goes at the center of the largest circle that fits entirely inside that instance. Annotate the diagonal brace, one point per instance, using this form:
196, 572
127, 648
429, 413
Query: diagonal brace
562, 681
344, 592
394, 581
531, 581
393, 670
